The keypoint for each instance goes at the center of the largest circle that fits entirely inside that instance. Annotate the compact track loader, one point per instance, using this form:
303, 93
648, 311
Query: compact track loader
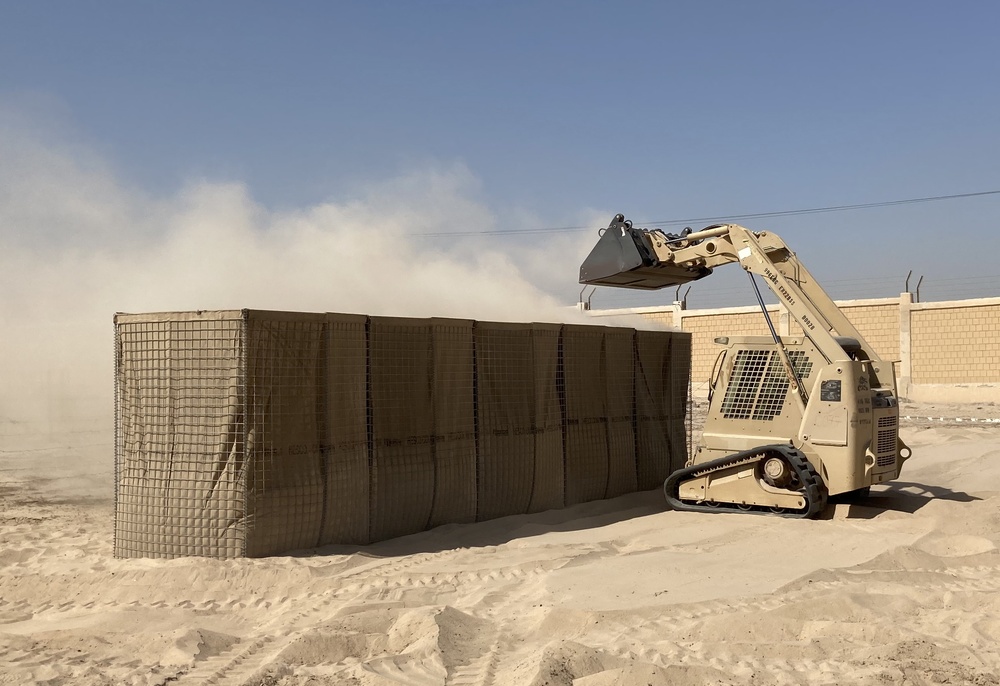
792, 420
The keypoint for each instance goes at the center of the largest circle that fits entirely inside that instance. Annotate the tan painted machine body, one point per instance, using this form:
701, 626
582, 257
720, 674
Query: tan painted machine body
791, 419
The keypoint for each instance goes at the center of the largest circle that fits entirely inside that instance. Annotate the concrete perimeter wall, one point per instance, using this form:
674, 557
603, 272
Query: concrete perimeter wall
945, 351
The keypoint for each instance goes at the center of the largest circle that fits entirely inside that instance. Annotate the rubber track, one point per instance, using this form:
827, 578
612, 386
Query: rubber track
811, 487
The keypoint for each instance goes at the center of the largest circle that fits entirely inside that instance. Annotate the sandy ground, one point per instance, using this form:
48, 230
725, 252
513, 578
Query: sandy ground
903, 588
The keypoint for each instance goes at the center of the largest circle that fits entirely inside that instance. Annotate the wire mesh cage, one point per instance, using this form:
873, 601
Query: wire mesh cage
251, 433
180, 432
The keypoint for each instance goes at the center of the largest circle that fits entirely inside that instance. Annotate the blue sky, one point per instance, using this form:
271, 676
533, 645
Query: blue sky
546, 114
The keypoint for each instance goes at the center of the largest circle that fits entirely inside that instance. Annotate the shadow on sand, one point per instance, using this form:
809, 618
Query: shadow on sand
898, 496
591, 515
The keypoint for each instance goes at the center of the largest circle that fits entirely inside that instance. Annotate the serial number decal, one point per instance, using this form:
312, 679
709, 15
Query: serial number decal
773, 278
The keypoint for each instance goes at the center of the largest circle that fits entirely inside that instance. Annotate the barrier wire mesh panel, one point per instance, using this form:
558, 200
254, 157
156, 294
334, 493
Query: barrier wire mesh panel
504, 393
653, 408
677, 396
345, 466
286, 430
454, 439
520, 427
402, 426
119, 443
585, 407
254, 433
178, 453
619, 374
549, 489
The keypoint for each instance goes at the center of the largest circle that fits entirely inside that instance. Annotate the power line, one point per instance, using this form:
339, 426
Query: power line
834, 208
717, 219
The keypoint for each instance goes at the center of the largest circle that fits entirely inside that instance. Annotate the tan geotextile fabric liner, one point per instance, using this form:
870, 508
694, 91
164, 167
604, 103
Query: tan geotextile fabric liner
680, 372
307, 433
619, 377
423, 424
402, 415
653, 408
346, 465
286, 431
548, 491
504, 393
584, 413
179, 468
520, 422
454, 439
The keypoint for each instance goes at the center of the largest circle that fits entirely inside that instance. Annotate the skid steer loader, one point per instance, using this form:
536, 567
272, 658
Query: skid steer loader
792, 420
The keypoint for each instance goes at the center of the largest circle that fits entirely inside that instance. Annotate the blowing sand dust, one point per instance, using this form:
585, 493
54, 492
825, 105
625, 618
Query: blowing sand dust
902, 588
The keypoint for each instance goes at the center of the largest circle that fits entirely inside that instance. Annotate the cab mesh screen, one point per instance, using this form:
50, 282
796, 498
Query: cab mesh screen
758, 385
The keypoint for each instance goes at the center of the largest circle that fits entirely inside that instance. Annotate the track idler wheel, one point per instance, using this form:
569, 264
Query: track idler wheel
777, 472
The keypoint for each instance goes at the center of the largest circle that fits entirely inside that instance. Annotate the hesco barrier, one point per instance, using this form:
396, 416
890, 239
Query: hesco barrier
250, 433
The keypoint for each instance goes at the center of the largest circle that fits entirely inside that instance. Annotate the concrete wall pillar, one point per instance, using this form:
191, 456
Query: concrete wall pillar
678, 310
905, 380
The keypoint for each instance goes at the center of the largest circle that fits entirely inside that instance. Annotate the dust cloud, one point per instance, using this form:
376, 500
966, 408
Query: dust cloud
78, 244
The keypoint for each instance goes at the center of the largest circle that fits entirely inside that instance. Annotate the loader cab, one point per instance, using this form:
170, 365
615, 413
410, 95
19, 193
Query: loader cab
842, 421
749, 391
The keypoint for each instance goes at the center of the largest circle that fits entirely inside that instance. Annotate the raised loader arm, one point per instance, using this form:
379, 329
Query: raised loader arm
648, 259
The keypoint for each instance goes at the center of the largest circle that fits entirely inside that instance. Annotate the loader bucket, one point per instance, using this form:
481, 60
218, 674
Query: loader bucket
614, 254
622, 259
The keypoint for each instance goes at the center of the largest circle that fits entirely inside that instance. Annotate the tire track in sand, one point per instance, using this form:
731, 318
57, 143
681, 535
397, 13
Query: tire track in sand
235, 666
